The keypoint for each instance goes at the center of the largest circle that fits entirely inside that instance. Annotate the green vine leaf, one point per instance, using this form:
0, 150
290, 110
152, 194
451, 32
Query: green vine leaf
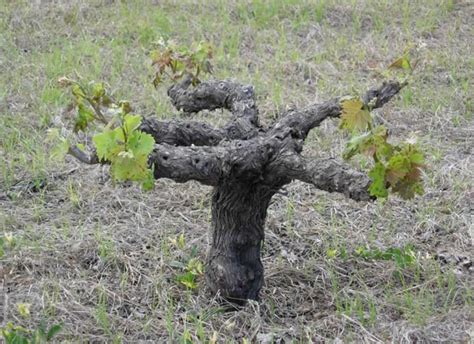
372, 144
397, 168
140, 143
176, 62
119, 140
125, 166
401, 63
404, 171
377, 175
109, 143
78, 91
84, 117
354, 117
149, 182
131, 123
98, 90
127, 149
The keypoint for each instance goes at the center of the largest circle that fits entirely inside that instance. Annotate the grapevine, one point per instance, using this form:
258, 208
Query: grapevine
397, 167
175, 62
117, 137
118, 140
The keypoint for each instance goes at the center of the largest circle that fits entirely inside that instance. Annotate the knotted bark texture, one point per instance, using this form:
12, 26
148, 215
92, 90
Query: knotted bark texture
246, 164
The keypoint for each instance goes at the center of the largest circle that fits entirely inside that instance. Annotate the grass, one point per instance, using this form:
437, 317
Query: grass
99, 258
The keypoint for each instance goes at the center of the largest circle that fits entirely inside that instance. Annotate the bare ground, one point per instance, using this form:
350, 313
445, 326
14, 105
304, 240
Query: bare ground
103, 259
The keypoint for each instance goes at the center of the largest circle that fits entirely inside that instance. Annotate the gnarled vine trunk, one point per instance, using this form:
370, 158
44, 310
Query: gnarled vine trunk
246, 164
234, 268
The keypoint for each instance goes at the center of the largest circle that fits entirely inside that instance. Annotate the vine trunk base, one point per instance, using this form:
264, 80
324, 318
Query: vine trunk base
234, 268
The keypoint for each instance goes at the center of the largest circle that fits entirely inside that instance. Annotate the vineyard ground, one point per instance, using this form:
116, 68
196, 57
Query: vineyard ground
104, 259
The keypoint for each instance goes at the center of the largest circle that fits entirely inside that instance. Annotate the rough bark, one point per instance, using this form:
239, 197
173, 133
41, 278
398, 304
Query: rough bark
221, 94
325, 174
181, 133
234, 268
247, 165
302, 121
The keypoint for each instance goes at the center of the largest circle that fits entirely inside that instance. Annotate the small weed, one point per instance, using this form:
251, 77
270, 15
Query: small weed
74, 195
290, 213
19, 335
192, 270
339, 251
8, 241
192, 267
320, 11
355, 306
403, 257
105, 245
101, 315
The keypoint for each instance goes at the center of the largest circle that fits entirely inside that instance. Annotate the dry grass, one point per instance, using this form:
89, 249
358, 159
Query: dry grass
101, 258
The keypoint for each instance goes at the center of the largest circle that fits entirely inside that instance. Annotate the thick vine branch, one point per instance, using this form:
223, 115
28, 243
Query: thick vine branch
181, 133
239, 160
203, 164
271, 160
325, 174
211, 95
383, 94
302, 121
225, 94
